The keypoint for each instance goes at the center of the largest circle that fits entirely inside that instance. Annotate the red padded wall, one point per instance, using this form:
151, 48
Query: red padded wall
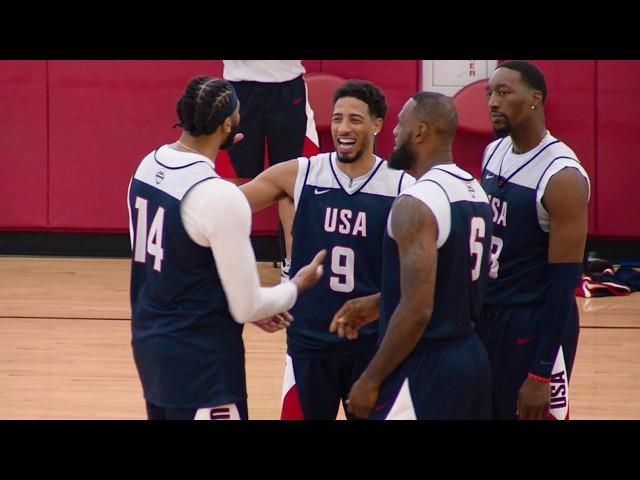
23, 143
618, 144
104, 116
468, 149
73, 131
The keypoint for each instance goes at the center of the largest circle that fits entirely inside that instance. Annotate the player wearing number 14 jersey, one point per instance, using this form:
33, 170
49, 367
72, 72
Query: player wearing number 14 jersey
194, 281
341, 203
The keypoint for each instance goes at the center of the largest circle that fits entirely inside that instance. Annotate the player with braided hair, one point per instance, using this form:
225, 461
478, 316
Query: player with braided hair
194, 281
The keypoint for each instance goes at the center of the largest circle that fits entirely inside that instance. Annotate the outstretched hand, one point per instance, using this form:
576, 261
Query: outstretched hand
309, 275
275, 322
354, 314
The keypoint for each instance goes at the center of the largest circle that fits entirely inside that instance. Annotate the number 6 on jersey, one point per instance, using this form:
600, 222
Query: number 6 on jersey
475, 245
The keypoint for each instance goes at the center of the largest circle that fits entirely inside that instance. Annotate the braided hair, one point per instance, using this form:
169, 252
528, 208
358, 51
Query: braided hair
204, 105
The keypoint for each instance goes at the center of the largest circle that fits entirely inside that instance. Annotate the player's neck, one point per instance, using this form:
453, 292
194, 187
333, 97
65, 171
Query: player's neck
441, 155
528, 139
202, 146
360, 167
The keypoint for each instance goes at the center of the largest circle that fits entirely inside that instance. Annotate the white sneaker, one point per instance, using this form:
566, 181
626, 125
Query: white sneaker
284, 270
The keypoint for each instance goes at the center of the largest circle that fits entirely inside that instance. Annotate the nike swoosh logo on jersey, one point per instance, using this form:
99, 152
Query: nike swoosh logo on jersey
522, 341
489, 176
320, 192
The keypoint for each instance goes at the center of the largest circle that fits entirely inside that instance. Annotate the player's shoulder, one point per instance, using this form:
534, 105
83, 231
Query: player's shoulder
559, 149
452, 180
320, 158
315, 163
218, 188
394, 175
493, 145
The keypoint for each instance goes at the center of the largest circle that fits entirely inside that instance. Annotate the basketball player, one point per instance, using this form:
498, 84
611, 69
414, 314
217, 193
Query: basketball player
539, 194
194, 281
341, 203
429, 364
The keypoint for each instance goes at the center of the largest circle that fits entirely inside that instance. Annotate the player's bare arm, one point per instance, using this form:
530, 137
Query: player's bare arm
566, 199
415, 231
271, 185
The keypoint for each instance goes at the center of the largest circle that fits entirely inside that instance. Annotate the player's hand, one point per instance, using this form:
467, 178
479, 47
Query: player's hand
275, 322
354, 314
534, 399
309, 275
362, 397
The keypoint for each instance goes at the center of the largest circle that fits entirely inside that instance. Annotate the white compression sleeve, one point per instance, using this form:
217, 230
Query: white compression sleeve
216, 214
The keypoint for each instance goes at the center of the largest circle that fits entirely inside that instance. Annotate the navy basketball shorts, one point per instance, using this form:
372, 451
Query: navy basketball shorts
315, 385
230, 411
438, 381
510, 336
275, 111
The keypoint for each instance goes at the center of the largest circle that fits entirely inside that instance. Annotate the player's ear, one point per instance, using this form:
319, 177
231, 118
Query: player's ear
422, 131
377, 125
226, 125
536, 99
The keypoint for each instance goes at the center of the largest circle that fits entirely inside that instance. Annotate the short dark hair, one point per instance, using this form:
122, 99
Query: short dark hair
437, 109
531, 75
204, 104
367, 92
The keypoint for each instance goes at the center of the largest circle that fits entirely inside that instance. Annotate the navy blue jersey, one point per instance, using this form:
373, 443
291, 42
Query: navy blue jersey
515, 184
462, 211
186, 345
347, 218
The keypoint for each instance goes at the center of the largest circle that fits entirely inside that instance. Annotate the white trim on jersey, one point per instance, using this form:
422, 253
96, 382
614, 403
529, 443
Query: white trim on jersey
159, 175
324, 173
407, 181
303, 164
352, 185
435, 200
534, 175
430, 190
403, 408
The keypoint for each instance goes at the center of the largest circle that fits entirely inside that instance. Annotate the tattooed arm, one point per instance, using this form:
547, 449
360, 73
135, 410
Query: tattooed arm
415, 231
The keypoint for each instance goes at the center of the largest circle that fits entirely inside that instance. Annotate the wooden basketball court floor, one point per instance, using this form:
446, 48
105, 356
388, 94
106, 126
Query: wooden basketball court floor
65, 347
